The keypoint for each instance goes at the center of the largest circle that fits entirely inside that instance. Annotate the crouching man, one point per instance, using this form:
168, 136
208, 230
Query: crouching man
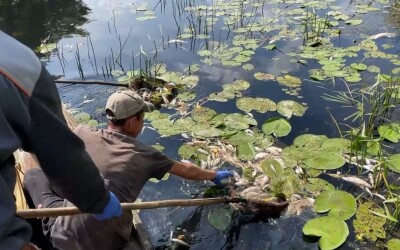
126, 164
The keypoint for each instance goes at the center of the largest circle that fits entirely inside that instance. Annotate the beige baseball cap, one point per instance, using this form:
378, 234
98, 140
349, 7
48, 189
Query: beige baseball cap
126, 103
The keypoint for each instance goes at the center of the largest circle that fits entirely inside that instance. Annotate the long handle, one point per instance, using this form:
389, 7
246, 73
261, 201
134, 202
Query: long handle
63, 211
91, 82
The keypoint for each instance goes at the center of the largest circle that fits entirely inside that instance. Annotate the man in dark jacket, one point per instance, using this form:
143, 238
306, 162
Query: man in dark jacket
31, 118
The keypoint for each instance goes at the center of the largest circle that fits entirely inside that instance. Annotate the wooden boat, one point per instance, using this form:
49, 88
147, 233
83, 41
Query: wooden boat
25, 161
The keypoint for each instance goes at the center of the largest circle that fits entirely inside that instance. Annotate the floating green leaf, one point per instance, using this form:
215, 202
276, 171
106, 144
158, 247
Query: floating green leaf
239, 121
82, 118
245, 151
277, 126
340, 204
289, 81
317, 185
271, 168
324, 160
263, 76
393, 244
203, 114
220, 218
394, 163
358, 66
241, 137
368, 225
46, 48
390, 132
354, 22
205, 130
186, 96
204, 53
261, 105
288, 108
248, 66
190, 81
333, 232
186, 151
159, 147
270, 47
286, 184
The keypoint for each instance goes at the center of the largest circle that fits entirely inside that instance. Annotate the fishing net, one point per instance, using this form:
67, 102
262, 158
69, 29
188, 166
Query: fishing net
271, 207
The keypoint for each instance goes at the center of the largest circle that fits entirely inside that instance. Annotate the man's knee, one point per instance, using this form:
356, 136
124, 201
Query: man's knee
33, 177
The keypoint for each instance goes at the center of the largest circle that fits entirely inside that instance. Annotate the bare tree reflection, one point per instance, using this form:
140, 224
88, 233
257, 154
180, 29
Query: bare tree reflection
32, 21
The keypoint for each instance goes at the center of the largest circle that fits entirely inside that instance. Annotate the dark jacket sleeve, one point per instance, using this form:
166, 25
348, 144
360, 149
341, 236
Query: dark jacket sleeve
61, 153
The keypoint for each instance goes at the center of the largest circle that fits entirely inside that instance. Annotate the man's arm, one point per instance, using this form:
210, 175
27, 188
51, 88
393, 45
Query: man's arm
61, 153
190, 171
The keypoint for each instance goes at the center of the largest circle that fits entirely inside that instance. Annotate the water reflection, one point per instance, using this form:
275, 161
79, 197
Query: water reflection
33, 21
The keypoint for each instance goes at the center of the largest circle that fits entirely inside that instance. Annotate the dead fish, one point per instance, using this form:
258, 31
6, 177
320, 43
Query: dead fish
260, 156
297, 207
379, 196
250, 190
202, 151
242, 182
355, 180
299, 170
176, 41
274, 151
380, 35
262, 181
215, 162
181, 242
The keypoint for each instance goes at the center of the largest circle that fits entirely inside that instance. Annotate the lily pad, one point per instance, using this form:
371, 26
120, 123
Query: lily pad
289, 81
205, 130
190, 81
155, 180
286, 184
46, 48
82, 118
248, 66
368, 225
359, 66
261, 105
203, 114
333, 232
393, 244
220, 218
390, 132
264, 76
186, 151
288, 108
394, 163
186, 96
277, 126
317, 185
241, 137
238, 121
324, 159
245, 151
340, 204
354, 22
271, 168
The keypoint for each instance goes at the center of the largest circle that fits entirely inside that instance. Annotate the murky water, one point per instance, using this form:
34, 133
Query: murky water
108, 35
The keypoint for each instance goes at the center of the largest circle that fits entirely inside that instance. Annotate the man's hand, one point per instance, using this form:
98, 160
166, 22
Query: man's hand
222, 178
113, 209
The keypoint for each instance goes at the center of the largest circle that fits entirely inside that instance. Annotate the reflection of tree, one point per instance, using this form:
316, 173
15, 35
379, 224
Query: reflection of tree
394, 15
31, 21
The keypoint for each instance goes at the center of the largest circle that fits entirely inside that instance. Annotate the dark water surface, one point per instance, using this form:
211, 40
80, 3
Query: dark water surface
110, 29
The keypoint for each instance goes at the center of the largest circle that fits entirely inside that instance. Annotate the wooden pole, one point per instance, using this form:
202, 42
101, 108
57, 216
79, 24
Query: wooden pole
64, 211
91, 82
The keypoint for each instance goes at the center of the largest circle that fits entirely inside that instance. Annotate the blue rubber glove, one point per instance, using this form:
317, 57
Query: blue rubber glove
113, 208
222, 178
